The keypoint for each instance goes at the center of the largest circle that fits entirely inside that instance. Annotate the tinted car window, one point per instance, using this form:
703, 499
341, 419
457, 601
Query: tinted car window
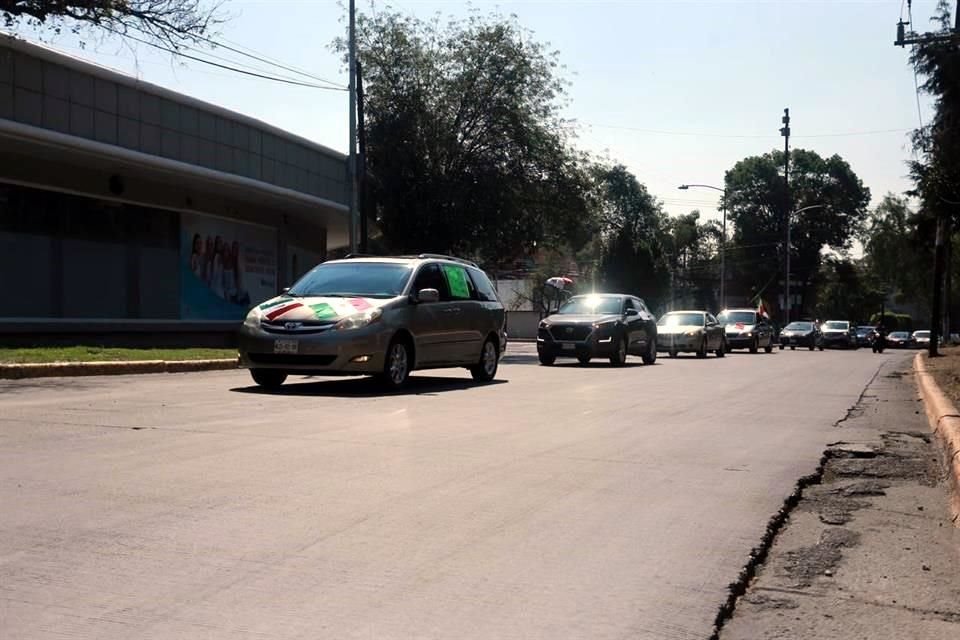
482, 284
430, 277
592, 305
367, 279
733, 317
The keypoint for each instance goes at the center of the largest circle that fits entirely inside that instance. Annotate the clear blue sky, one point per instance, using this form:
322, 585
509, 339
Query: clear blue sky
642, 74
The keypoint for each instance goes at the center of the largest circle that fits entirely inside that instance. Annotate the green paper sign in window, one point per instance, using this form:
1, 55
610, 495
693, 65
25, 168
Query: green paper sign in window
457, 281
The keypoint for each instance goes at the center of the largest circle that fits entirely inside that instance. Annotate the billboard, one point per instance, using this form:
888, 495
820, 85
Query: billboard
225, 267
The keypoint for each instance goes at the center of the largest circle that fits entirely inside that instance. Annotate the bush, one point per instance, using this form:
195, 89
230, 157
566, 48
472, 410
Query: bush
894, 321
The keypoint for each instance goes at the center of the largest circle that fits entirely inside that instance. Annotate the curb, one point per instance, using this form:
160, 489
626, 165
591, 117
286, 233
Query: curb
945, 422
58, 369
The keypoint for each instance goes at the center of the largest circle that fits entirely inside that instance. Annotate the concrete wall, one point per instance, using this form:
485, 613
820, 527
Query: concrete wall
55, 92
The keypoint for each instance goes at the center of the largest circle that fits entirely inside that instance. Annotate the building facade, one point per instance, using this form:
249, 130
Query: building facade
125, 207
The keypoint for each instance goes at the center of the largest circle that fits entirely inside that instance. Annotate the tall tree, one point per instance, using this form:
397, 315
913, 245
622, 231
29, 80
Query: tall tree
169, 22
634, 237
694, 252
758, 203
466, 149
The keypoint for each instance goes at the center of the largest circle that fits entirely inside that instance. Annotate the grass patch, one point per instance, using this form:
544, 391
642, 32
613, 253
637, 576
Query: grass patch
104, 354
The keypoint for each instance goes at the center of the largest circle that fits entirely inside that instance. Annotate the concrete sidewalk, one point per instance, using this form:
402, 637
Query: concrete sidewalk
869, 550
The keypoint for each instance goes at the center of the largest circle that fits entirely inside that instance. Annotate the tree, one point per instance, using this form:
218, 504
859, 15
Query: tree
694, 248
937, 170
169, 22
897, 251
757, 205
847, 291
466, 149
634, 235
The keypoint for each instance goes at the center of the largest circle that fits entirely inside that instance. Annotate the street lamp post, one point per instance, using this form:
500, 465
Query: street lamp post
786, 297
723, 239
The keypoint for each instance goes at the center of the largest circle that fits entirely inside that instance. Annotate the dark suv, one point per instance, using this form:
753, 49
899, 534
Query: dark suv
599, 325
378, 316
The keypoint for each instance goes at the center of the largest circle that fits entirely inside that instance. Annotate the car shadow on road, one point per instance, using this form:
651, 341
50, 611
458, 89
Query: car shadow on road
367, 387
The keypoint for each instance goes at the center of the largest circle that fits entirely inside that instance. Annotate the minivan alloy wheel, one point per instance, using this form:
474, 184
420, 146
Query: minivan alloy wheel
398, 363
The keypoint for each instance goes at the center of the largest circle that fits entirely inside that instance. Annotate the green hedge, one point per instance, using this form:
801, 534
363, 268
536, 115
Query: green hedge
894, 321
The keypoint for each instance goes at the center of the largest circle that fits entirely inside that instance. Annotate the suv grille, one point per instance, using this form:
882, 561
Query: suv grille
570, 332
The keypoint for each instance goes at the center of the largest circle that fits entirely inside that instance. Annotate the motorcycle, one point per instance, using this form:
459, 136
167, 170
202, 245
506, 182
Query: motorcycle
879, 343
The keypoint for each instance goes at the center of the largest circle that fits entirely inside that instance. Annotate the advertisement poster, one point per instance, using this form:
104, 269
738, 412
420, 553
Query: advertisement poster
225, 267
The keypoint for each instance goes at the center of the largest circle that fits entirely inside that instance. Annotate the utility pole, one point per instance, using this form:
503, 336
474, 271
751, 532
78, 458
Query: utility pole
785, 132
938, 268
352, 156
361, 162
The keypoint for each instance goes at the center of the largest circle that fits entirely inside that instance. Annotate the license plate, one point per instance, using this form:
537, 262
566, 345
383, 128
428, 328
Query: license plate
286, 346
568, 346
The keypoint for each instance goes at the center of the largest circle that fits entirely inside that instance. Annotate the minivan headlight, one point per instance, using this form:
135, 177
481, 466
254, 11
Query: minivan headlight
252, 321
358, 320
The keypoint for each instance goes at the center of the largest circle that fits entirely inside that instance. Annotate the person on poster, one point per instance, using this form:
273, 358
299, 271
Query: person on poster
216, 276
208, 261
238, 294
196, 256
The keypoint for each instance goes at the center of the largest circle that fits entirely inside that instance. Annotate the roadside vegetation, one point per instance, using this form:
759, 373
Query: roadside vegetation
106, 354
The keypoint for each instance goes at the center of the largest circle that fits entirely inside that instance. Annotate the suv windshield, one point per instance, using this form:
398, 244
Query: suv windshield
735, 317
799, 326
681, 320
836, 325
592, 305
921, 334
900, 334
349, 279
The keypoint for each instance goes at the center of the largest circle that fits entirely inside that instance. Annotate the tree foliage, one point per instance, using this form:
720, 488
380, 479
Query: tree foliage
170, 22
937, 172
466, 150
694, 257
757, 203
634, 236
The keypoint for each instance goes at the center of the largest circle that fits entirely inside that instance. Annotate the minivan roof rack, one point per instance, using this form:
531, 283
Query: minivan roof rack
359, 255
441, 256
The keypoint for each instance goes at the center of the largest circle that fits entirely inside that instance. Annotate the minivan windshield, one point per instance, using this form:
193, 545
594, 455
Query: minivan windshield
799, 326
682, 320
592, 305
353, 279
738, 317
921, 334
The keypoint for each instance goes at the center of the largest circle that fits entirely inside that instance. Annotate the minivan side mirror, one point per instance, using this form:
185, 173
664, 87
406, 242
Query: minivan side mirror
285, 289
427, 295
631, 312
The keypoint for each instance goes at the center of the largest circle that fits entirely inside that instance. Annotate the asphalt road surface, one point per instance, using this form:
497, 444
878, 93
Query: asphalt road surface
564, 502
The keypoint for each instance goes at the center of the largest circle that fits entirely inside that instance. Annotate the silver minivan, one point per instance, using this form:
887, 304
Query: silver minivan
378, 316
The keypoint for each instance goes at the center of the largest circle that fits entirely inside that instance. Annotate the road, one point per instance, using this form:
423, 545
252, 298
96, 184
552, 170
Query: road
562, 502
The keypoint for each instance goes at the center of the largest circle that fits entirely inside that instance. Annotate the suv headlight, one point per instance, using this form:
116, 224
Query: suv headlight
693, 333
543, 325
609, 324
358, 320
252, 321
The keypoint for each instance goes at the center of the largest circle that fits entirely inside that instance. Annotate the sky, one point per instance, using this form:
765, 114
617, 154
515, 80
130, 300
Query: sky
676, 90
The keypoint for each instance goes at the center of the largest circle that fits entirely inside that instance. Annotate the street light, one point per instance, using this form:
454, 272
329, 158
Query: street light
723, 239
786, 297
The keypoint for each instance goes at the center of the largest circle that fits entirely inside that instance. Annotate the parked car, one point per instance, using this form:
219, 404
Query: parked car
378, 316
839, 333
866, 335
746, 329
921, 339
607, 325
800, 334
691, 331
899, 340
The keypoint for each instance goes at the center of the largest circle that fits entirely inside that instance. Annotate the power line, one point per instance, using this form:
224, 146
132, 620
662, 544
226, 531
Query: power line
916, 80
260, 57
221, 66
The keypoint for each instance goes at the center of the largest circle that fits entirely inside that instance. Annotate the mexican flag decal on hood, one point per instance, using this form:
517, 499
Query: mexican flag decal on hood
315, 308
